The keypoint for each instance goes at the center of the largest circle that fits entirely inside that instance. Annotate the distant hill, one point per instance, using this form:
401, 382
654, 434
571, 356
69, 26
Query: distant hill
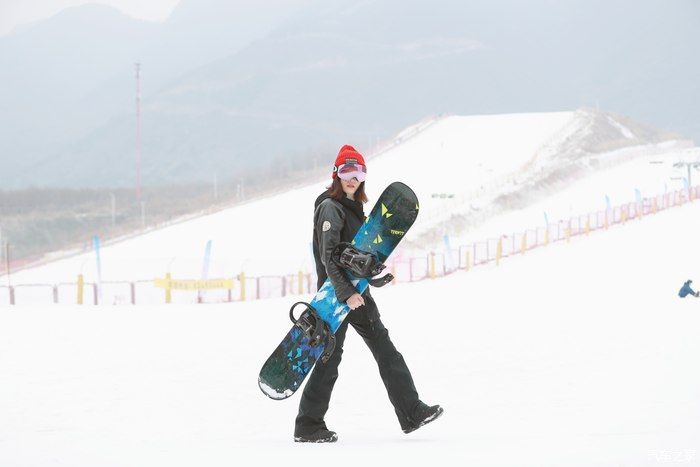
73, 73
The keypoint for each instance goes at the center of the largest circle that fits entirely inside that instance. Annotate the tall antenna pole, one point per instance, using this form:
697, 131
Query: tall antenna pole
138, 131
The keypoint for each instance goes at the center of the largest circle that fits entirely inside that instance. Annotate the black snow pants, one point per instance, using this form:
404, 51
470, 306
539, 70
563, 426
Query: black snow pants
392, 368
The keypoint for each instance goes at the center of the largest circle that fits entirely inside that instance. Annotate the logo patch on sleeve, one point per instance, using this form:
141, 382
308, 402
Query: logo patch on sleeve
326, 226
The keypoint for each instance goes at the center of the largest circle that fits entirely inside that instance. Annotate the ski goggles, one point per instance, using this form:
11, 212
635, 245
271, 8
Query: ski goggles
350, 171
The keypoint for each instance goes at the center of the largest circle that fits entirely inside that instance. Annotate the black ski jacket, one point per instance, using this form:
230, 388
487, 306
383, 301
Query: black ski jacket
334, 222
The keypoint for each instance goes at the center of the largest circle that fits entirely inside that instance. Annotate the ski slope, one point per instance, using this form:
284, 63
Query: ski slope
578, 354
651, 174
472, 159
273, 235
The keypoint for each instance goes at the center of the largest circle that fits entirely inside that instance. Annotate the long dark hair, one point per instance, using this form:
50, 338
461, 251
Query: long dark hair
337, 193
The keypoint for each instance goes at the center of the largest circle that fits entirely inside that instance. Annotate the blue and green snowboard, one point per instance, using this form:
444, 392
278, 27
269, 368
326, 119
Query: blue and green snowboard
390, 218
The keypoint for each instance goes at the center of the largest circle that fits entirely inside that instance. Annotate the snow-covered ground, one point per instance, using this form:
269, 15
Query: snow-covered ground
578, 354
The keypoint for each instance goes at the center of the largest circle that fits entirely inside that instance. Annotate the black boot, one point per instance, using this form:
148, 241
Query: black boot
423, 414
318, 436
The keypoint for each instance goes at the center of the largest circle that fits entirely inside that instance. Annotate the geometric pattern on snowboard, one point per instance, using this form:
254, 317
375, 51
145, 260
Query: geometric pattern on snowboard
391, 217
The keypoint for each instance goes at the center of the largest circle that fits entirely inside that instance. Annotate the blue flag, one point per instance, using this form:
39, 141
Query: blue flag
96, 247
207, 257
205, 268
448, 251
607, 202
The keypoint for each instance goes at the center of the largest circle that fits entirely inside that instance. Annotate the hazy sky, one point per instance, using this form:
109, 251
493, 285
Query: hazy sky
16, 12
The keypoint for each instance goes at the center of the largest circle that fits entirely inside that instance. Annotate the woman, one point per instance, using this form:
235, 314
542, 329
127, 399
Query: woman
337, 217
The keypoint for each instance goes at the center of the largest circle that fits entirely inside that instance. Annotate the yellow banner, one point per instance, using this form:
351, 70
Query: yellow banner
192, 284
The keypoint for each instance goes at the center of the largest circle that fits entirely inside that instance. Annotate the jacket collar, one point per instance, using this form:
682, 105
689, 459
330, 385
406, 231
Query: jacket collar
354, 206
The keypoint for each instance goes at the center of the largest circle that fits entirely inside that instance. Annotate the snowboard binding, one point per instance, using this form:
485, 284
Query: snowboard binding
359, 263
315, 328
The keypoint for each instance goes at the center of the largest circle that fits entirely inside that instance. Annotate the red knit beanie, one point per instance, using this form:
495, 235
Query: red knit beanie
345, 153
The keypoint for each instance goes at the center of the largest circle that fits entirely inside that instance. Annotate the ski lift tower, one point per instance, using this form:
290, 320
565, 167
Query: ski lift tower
688, 165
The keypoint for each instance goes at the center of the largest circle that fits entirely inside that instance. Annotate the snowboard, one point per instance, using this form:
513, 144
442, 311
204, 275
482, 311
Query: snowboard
389, 220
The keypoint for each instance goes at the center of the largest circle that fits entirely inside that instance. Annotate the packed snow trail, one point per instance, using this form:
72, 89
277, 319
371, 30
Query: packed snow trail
577, 354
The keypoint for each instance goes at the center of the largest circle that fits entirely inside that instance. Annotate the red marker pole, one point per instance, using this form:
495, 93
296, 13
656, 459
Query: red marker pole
7, 262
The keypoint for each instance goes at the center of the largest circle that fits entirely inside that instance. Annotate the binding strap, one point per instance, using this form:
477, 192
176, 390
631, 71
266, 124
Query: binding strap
315, 329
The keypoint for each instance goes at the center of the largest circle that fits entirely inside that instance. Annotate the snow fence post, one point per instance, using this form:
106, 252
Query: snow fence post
499, 251
241, 278
168, 294
81, 285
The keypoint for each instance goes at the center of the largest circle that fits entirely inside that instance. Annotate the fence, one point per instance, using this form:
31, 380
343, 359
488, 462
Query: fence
429, 266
